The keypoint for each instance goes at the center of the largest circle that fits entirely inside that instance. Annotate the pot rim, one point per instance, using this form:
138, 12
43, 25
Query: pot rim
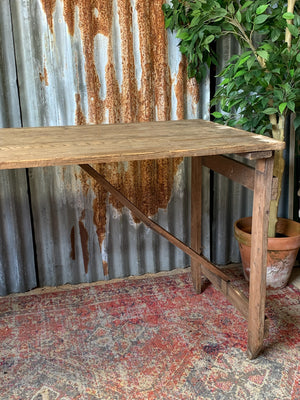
279, 243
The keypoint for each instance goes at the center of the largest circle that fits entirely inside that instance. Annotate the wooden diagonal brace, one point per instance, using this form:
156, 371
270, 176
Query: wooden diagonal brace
153, 225
218, 278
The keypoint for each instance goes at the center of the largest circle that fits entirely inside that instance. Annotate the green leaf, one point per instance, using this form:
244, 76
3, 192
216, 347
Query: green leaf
250, 62
243, 60
224, 82
270, 111
195, 21
183, 49
268, 77
288, 15
297, 20
298, 58
260, 19
279, 94
266, 46
213, 29
183, 35
261, 9
291, 105
293, 29
238, 16
282, 107
229, 88
263, 54
275, 33
239, 73
248, 77
247, 4
240, 63
168, 22
209, 39
231, 8
217, 114
276, 71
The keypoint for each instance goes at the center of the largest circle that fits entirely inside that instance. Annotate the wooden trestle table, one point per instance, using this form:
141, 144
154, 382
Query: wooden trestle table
207, 144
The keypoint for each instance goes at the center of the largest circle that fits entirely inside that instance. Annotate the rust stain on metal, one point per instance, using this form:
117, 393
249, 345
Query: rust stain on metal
113, 96
194, 90
72, 237
181, 88
94, 17
185, 86
162, 76
129, 99
84, 238
149, 183
105, 268
49, 7
69, 15
146, 96
44, 77
79, 117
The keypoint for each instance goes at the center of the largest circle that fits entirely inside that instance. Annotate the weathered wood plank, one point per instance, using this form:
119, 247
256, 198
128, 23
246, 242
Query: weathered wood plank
50, 146
236, 171
232, 169
259, 242
256, 155
233, 294
196, 213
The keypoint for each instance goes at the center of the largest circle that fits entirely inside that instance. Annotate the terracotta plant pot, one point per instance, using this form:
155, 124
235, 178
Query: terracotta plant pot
282, 251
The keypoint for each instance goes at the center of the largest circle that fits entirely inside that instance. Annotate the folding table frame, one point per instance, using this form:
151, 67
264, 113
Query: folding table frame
207, 144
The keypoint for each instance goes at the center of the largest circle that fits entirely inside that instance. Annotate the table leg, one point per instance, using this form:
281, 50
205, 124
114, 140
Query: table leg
259, 241
196, 212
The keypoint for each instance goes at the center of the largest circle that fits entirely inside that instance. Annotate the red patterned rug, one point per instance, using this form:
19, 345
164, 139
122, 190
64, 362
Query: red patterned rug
150, 338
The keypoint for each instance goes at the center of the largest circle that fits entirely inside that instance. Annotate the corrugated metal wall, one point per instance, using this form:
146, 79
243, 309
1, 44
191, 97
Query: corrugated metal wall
83, 62
77, 62
230, 201
17, 266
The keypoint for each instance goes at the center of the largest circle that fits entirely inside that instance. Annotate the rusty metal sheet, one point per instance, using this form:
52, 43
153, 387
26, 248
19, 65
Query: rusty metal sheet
92, 62
107, 61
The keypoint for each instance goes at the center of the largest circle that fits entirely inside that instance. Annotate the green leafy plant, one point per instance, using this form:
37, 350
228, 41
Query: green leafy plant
260, 87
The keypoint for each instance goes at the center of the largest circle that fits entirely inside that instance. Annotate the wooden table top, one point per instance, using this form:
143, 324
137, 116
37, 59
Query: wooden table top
51, 146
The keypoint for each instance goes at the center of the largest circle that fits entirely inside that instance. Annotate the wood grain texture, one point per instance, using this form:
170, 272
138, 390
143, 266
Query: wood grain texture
232, 169
196, 214
51, 146
259, 243
232, 293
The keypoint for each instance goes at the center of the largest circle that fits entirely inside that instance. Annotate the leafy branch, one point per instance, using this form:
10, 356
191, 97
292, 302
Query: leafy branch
258, 87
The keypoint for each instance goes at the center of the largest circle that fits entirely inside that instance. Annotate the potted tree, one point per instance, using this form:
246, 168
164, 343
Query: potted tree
259, 89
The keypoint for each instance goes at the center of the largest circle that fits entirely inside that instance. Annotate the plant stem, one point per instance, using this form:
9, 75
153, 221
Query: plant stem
277, 133
248, 40
288, 35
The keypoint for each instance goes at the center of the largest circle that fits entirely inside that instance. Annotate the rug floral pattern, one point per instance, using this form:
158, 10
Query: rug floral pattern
150, 338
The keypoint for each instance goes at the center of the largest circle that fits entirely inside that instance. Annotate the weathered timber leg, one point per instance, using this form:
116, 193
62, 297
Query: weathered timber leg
259, 242
196, 193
